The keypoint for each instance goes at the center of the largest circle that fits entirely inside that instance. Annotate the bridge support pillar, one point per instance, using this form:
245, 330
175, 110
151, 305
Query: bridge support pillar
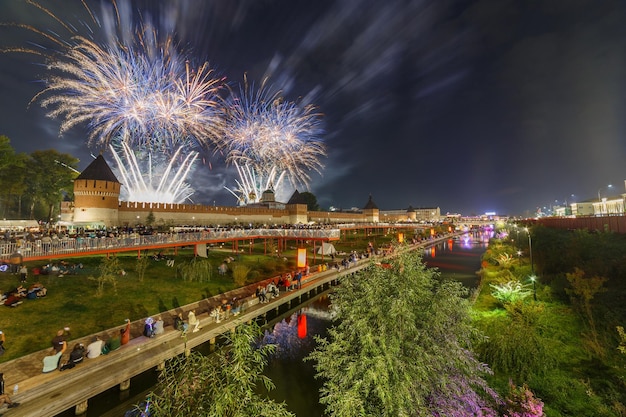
212, 341
81, 408
125, 385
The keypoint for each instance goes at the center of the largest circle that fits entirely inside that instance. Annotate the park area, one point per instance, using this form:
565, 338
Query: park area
93, 294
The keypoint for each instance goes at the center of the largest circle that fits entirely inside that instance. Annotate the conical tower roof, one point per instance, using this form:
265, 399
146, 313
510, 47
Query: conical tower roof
296, 198
98, 170
370, 204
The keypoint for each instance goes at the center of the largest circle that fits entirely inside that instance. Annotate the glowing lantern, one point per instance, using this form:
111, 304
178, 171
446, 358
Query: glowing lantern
400, 237
301, 261
432, 232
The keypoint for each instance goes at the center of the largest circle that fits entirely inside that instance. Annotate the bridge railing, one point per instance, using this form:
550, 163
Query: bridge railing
78, 245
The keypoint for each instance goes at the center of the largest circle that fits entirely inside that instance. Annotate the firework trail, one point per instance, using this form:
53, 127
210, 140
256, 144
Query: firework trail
267, 139
134, 91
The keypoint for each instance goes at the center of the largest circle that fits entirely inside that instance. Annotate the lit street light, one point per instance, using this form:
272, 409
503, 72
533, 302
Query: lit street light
603, 206
530, 251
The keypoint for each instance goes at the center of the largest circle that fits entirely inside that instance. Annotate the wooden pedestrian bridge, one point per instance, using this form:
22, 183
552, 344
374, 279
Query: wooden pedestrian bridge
42, 395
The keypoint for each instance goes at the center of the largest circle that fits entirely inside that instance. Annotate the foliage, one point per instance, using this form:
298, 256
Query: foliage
515, 344
622, 339
521, 402
220, 385
198, 270
141, 266
50, 180
108, 270
150, 219
400, 345
240, 274
510, 292
582, 291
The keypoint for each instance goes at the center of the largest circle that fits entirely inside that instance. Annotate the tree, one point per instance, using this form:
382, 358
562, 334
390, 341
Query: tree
141, 266
150, 219
311, 201
219, 385
401, 346
582, 291
108, 270
50, 177
12, 176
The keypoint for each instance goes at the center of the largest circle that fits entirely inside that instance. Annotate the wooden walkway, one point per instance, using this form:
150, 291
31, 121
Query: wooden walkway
42, 395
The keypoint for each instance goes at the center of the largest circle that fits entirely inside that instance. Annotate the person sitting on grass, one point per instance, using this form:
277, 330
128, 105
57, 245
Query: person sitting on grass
51, 362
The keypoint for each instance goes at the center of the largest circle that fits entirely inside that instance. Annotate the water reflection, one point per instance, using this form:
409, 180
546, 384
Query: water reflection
293, 376
459, 258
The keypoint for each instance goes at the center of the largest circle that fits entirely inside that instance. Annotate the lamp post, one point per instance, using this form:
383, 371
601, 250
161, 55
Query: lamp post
530, 251
533, 278
603, 206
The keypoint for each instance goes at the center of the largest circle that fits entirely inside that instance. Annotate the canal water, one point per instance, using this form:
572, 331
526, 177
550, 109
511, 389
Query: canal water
457, 259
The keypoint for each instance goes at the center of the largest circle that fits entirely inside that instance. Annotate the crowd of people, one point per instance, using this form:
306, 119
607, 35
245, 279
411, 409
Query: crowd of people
16, 296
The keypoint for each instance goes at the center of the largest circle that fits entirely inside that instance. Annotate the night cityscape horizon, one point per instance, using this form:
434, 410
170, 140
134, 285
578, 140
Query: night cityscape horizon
471, 106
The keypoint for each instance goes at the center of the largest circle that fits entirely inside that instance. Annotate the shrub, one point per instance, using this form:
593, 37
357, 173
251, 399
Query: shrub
199, 270
240, 274
521, 402
510, 292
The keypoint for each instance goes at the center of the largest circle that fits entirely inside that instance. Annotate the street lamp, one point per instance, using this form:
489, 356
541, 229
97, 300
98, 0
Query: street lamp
603, 206
530, 251
533, 278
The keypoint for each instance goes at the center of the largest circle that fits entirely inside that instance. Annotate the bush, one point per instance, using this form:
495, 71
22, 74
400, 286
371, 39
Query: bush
510, 292
240, 274
515, 344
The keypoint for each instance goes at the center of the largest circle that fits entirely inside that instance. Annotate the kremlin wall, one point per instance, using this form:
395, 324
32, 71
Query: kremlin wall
96, 202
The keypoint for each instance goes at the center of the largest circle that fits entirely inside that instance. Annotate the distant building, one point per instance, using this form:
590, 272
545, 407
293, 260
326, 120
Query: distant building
97, 191
411, 214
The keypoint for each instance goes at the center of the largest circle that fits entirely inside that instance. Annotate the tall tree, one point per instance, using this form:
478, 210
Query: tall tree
12, 175
51, 176
401, 346
219, 385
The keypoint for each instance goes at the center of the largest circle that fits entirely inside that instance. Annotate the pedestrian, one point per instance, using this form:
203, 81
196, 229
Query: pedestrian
2, 339
23, 274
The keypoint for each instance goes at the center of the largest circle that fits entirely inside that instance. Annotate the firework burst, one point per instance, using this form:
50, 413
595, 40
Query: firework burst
268, 138
134, 91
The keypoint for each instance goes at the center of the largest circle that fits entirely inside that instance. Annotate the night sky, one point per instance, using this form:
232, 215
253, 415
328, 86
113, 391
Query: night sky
472, 106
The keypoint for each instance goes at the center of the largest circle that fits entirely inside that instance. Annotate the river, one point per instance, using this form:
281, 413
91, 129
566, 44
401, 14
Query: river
457, 259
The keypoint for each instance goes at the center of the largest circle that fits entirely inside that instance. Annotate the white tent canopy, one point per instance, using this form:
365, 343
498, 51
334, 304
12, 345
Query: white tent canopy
326, 249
